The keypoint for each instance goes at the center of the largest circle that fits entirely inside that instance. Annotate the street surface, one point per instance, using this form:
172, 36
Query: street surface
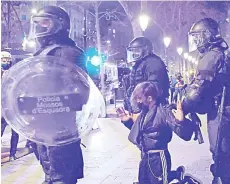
110, 158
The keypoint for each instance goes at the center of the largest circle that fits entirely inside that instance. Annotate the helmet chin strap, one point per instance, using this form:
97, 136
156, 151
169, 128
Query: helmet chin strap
52, 39
203, 49
210, 45
45, 41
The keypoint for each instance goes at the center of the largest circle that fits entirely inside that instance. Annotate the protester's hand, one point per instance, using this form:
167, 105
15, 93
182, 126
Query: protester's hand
178, 113
123, 114
171, 106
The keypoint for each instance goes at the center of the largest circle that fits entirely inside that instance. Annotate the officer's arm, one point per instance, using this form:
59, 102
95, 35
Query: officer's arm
155, 71
72, 54
152, 70
198, 91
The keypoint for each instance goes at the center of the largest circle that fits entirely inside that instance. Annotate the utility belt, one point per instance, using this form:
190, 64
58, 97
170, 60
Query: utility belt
153, 149
150, 152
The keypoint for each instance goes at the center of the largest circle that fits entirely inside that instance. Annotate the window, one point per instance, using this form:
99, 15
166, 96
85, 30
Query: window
75, 35
23, 17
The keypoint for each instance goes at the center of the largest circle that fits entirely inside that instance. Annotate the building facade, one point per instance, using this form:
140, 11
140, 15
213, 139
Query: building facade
118, 38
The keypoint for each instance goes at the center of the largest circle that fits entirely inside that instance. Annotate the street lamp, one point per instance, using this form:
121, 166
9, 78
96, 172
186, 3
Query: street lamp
33, 11
193, 63
28, 43
193, 60
143, 21
185, 62
190, 58
31, 43
186, 55
180, 51
167, 41
96, 60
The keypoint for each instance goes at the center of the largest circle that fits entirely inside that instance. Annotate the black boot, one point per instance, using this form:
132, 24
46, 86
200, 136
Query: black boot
12, 158
28, 144
13, 145
191, 180
180, 171
47, 179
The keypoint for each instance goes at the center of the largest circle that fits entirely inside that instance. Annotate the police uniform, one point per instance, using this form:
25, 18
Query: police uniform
147, 67
61, 164
153, 69
204, 94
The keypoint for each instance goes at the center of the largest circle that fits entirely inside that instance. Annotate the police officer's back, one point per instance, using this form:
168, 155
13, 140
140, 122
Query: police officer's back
147, 67
50, 27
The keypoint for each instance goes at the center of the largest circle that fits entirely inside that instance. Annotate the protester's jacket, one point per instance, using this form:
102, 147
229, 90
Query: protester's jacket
153, 131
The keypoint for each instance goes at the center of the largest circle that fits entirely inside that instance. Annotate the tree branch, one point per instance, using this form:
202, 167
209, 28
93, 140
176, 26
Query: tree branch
92, 14
98, 4
173, 14
4, 14
20, 23
157, 8
120, 21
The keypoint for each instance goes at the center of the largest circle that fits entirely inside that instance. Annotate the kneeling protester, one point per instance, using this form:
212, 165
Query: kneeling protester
152, 131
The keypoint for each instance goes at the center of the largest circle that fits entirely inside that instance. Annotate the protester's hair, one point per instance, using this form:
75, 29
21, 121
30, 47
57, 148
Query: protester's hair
145, 88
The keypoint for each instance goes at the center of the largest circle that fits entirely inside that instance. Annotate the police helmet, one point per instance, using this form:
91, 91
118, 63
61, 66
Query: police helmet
139, 48
203, 34
50, 20
6, 60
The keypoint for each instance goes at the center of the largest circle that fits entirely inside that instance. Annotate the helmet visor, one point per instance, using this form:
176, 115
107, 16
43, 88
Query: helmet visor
43, 26
195, 40
133, 54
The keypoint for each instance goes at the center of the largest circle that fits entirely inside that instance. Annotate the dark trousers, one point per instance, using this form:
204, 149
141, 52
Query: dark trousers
34, 147
176, 93
61, 164
13, 140
213, 124
172, 90
154, 168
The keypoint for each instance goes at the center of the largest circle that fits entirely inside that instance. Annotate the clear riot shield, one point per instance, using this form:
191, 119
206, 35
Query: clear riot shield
50, 101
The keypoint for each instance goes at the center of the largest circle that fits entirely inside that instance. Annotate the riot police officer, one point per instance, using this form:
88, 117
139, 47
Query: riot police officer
6, 63
146, 67
204, 94
50, 27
